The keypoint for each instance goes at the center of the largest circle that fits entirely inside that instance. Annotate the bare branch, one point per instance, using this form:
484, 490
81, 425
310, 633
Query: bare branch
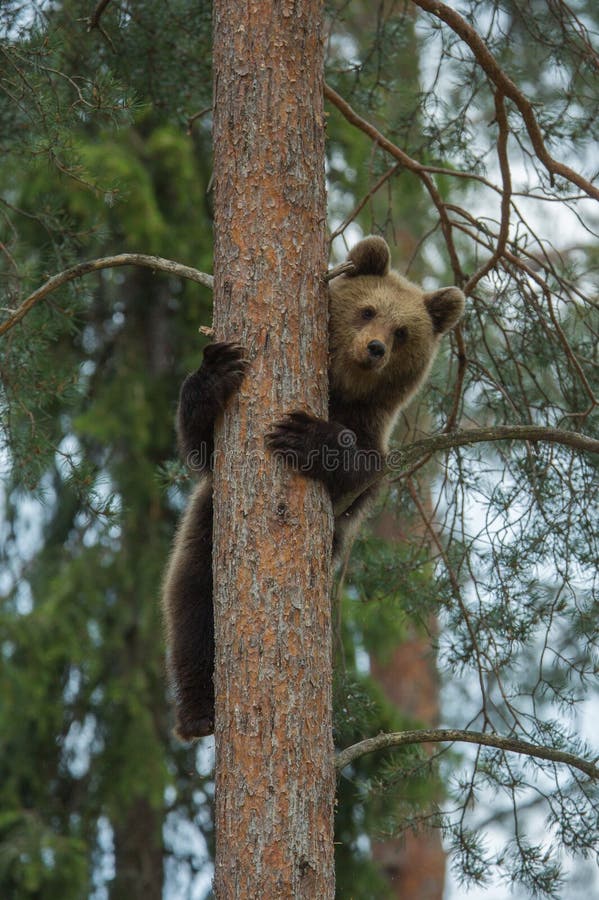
360, 206
196, 116
504, 165
451, 735
106, 262
403, 457
459, 382
408, 163
128, 259
457, 593
507, 87
94, 19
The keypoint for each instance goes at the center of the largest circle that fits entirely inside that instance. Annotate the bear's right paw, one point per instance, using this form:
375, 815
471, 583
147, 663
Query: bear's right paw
224, 367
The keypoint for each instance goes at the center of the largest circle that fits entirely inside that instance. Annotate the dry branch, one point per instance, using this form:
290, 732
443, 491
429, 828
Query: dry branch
506, 86
408, 163
452, 735
360, 206
402, 457
504, 165
106, 262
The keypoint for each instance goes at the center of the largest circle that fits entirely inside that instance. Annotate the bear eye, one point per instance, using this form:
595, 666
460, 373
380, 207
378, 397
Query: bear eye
401, 334
368, 313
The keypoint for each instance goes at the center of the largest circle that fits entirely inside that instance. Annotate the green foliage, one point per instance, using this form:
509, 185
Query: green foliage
390, 588
391, 792
89, 383
380, 795
36, 861
362, 810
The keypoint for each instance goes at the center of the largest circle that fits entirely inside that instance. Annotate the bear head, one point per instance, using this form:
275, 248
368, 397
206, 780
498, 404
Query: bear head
384, 331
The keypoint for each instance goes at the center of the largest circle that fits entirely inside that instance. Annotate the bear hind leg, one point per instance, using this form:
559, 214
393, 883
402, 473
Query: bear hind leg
189, 615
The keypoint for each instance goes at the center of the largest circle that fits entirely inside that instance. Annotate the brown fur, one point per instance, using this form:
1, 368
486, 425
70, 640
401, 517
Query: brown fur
366, 391
383, 337
402, 322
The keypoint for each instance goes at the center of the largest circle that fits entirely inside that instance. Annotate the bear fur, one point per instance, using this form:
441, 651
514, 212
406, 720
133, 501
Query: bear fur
384, 333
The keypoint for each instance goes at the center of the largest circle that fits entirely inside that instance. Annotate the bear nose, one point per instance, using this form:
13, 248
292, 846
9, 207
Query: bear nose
376, 349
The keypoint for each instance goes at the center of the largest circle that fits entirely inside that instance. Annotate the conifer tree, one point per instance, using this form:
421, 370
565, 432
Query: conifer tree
106, 114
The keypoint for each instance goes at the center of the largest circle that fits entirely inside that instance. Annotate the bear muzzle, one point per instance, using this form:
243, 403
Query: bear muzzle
372, 356
376, 349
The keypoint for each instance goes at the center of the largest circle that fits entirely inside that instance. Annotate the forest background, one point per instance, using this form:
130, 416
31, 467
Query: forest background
481, 562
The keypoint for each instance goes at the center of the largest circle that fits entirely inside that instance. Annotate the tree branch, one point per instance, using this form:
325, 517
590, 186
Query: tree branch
506, 178
106, 262
400, 458
506, 86
357, 209
451, 735
408, 163
94, 19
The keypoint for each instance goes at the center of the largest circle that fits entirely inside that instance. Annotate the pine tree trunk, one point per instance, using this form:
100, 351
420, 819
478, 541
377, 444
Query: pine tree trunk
274, 768
413, 863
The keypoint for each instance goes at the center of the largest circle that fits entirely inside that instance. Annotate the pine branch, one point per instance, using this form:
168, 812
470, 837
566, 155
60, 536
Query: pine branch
506, 86
402, 457
408, 163
453, 735
106, 262
94, 19
401, 461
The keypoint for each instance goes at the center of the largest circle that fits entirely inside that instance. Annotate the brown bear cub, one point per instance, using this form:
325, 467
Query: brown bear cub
384, 333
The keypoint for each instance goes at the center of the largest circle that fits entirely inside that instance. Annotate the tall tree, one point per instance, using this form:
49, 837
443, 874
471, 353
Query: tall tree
274, 764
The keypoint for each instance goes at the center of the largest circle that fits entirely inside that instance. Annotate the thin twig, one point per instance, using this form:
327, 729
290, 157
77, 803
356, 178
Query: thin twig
196, 116
506, 195
408, 163
459, 383
358, 209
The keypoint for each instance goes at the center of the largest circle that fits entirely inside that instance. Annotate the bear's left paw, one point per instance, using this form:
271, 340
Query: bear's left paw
297, 438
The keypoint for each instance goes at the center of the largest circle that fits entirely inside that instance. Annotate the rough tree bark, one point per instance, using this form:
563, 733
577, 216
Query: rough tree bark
274, 769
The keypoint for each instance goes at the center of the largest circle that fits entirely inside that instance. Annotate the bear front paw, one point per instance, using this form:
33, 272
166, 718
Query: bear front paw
224, 367
295, 439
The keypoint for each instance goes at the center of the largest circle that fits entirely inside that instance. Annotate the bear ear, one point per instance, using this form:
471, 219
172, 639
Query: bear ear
445, 307
370, 257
